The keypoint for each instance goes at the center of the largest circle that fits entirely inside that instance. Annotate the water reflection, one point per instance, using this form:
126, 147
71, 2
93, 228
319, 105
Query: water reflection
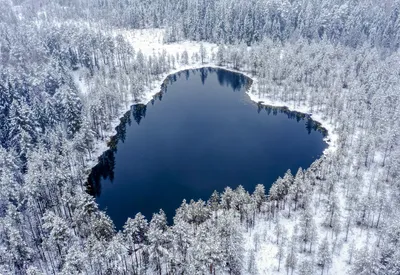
233, 80
105, 168
169, 147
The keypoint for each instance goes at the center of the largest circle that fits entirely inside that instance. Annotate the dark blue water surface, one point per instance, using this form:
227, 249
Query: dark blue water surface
200, 134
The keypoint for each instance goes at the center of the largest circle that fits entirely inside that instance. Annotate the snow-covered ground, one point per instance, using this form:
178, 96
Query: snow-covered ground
151, 42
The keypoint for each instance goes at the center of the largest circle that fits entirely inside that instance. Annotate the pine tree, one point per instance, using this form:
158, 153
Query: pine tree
203, 53
324, 256
159, 240
21, 135
231, 242
214, 201
291, 257
252, 265
185, 58
221, 55
135, 234
227, 198
259, 196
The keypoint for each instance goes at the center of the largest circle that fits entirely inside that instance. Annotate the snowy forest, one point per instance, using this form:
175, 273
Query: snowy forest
69, 69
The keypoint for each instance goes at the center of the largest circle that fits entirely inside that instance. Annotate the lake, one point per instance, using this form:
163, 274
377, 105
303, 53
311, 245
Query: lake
199, 134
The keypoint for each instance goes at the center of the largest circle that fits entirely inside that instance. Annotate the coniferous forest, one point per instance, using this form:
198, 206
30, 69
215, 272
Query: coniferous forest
69, 69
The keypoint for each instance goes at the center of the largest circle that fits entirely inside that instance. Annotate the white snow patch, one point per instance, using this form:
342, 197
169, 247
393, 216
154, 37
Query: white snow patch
80, 81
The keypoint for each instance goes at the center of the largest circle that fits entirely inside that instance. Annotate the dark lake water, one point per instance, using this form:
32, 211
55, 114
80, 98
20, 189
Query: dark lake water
200, 133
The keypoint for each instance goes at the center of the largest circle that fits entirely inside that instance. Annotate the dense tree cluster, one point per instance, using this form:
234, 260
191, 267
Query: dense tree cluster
337, 58
349, 22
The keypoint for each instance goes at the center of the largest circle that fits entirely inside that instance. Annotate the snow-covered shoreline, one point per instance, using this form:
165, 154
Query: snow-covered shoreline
150, 42
101, 145
331, 139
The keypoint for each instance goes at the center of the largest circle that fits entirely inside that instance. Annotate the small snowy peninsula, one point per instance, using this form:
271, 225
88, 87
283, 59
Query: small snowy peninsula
71, 70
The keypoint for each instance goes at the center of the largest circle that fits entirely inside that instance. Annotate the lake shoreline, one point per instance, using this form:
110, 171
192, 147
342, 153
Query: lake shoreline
277, 131
102, 145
